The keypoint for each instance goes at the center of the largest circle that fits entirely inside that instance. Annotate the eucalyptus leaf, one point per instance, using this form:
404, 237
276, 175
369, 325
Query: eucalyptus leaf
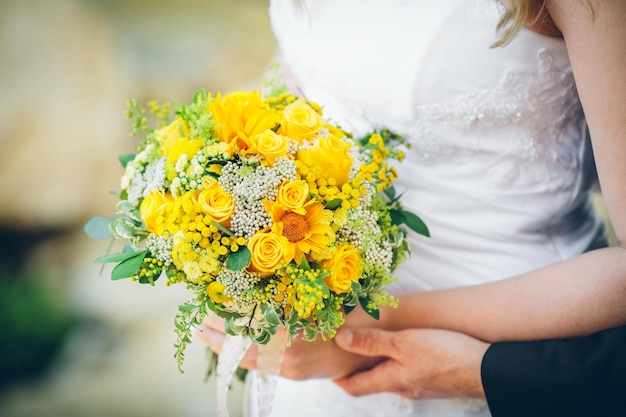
129, 267
239, 260
97, 228
124, 206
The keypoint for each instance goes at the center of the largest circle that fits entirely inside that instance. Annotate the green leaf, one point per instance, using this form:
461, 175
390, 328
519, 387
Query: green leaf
293, 317
199, 96
390, 193
348, 308
223, 229
123, 228
333, 204
415, 223
375, 313
125, 159
97, 228
304, 264
397, 216
262, 338
271, 317
309, 334
117, 257
129, 267
239, 260
187, 308
241, 373
233, 329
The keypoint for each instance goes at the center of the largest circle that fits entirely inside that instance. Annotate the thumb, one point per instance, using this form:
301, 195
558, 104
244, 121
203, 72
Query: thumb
367, 342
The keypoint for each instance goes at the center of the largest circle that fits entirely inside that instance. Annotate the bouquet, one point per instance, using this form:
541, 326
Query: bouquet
269, 214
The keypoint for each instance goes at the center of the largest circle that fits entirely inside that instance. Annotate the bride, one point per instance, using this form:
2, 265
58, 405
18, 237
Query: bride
501, 170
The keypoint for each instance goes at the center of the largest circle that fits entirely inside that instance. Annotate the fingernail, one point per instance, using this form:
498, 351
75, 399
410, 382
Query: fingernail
344, 337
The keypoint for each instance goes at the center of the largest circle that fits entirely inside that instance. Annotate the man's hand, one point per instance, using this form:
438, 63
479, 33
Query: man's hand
421, 363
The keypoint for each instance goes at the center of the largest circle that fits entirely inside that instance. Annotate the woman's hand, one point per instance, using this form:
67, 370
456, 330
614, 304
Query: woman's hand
302, 360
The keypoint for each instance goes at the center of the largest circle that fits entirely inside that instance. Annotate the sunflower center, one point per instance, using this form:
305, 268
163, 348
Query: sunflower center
294, 226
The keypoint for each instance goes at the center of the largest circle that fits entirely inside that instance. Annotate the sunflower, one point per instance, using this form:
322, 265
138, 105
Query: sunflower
241, 115
306, 228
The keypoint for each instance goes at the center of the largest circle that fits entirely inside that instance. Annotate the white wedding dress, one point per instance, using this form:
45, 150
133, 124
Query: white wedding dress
500, 167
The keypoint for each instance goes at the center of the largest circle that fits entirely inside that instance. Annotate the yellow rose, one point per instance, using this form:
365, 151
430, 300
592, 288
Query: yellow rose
192, 271
217, 203
300, 121
268, 252
345, 266
270, 145
293, 195
209, 263
151, 209
330, 156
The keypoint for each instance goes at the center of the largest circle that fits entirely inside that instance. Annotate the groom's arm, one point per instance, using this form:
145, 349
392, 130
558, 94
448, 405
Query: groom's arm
572, 377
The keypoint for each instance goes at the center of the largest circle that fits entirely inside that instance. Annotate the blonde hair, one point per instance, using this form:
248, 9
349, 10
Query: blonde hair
522, 13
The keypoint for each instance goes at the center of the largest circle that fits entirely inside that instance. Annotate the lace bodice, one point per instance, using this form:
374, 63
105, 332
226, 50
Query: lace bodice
500, 167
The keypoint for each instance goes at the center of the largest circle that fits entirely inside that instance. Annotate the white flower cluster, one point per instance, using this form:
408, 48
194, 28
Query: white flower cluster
238, 285
161, 248
250, 186
139, 179
364, 232
380, 255
357, 156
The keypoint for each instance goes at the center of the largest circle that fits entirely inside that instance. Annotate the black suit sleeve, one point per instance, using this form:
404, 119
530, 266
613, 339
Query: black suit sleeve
570, 377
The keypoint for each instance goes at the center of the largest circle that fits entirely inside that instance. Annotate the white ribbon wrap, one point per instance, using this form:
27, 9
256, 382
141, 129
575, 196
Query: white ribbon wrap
269, 362
233, 350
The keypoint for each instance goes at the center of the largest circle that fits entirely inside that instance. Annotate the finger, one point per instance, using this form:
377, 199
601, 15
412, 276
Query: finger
214, 322
213, 338
368, 342
378, 379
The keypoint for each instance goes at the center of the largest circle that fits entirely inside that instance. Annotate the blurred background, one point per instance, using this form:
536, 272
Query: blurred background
72, 342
